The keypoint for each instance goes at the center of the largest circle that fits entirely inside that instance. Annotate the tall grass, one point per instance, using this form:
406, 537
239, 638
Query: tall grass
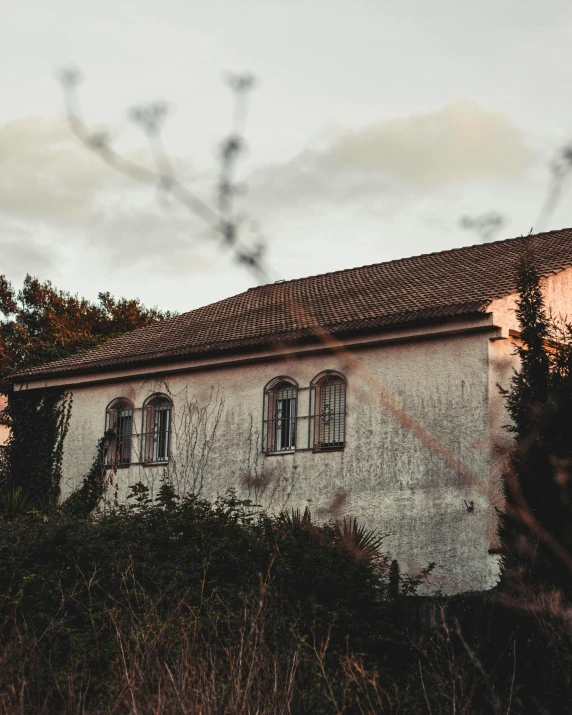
207, 661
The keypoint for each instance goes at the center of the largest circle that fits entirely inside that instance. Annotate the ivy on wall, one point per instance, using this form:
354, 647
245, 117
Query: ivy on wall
40, 323
32, 458
85, 499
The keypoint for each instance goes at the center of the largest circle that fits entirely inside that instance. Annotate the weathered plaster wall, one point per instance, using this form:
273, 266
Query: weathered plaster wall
415, 413
557, 292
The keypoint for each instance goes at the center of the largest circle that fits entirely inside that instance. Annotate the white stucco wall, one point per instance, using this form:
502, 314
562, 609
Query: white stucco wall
417, 447
557, 292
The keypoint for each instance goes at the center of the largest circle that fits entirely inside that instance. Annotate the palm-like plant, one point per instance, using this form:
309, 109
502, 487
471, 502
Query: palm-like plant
14, 501
295, 518
365, 543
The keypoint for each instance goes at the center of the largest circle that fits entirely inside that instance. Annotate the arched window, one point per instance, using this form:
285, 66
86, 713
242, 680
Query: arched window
280, 410
156, 429
119, 432
328, 396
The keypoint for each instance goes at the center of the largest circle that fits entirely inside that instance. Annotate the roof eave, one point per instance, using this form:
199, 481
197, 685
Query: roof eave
303, 337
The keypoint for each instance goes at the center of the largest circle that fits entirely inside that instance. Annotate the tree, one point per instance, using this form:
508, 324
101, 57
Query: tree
536, 528
41, 323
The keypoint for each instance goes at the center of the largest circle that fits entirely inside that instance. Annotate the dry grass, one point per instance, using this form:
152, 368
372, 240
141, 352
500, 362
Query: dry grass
208, 660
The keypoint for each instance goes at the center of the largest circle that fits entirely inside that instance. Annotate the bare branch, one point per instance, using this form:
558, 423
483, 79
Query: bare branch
560, 171
150, 118
486, 225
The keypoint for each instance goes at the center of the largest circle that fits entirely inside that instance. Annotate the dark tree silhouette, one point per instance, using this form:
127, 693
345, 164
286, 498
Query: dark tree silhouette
536, 527
40, 323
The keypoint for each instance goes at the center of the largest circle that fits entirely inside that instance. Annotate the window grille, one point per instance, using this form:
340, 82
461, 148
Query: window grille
156, 429
280, 414
119, 432
328, 403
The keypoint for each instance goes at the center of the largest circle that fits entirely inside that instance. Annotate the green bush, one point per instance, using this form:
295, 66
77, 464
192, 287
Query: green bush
73, 587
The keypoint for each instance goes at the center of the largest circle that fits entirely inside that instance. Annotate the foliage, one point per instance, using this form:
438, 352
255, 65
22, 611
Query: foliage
184, 606
536, 528
365, 543
489, 655
167, 496
393, 581
14, 501
85, 499
32, 458
42, 323
530, 385
79, 581
180, 605
140, 495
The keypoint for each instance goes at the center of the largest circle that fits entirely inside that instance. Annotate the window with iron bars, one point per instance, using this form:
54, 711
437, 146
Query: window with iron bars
156, 429
125, 445
321, 429
328, 407
280, 411
119, 432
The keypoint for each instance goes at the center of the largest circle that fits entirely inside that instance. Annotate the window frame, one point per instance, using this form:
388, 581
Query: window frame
340, 415
147, 433
118, 405
270, 425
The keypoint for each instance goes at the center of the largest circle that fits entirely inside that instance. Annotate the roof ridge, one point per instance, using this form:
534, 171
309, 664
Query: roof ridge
401, 260
438, 285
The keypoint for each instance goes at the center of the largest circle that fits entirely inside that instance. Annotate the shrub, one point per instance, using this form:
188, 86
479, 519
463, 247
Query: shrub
184, 581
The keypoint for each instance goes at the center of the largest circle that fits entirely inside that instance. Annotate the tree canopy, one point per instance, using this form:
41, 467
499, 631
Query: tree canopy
40, 323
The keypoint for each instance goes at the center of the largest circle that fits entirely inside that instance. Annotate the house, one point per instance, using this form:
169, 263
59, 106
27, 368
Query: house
371, 392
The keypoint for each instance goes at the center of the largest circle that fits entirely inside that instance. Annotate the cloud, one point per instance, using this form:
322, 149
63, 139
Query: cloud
460, 142
61, 207
45, 174
332, 199
386, 164
23, 251
49, 181
145, 236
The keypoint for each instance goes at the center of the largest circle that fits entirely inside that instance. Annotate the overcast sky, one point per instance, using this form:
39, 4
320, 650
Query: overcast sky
374, 127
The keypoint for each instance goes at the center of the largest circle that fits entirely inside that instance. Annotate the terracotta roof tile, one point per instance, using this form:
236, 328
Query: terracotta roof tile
430, 286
